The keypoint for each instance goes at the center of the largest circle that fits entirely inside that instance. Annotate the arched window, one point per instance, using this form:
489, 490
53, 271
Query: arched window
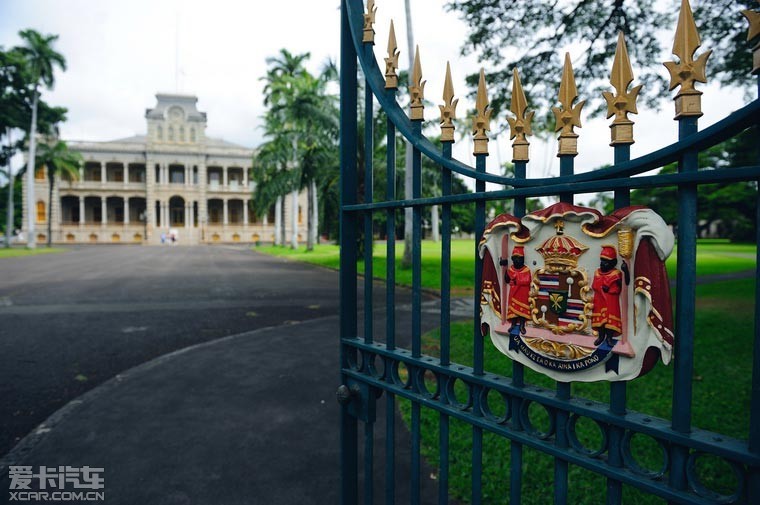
192, 134
160, 133
39, 174
181, 133
41, 214
171, 134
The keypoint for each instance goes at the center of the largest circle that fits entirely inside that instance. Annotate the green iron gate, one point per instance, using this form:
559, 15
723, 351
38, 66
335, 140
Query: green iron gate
377, 371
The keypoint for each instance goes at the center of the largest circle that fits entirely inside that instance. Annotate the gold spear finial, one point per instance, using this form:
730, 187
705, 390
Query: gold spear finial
417, 89
519, 126
369, 21
688, 70
568, 116
753, 17
622, 102
391, 62
449, 108
481, 123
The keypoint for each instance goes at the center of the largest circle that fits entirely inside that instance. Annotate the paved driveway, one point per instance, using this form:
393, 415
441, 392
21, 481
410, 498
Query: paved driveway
71, 321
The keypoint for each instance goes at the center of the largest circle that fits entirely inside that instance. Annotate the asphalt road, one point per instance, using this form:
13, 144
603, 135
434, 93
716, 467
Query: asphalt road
71, 321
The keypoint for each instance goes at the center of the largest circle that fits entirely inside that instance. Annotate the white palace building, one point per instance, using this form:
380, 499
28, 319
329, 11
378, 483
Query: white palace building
173, 181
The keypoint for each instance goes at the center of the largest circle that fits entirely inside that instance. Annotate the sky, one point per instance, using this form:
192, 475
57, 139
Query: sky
120, 54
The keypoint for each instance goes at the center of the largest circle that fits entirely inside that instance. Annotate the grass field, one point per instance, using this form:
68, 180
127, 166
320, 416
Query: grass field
15, 252
721, 400
713, 257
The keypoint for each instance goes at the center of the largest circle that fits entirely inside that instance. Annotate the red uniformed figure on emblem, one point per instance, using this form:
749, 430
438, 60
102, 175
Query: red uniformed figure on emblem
607, 286
519, 278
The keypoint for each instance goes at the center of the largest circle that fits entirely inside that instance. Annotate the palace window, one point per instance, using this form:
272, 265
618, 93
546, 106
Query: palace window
39, 174
160, 133
171, 134
41, 215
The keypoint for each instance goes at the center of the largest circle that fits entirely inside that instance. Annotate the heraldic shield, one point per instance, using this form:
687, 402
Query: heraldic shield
576, 295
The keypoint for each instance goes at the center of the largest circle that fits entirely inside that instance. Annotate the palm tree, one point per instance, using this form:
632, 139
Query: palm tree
58, 160
42, 60
286, 65
14, 112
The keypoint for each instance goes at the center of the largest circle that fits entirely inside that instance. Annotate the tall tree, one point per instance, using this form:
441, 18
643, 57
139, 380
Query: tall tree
280, 68
42, 60
529, 35
59, 161
301, 125
406, 258
13, 115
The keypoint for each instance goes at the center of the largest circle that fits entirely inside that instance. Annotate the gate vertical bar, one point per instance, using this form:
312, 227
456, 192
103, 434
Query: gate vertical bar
448, 112
516, 448
391, 84
416, 308
348, 224
619, 104
753, 488
416, 95
390, 312
480, 138
520, 126
368, 198
443, 422
369, 426
568, 118
688, 110
685, 304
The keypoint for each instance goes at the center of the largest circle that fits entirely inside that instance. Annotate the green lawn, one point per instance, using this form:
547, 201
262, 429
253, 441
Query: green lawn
721, 401
17, 251
713, 257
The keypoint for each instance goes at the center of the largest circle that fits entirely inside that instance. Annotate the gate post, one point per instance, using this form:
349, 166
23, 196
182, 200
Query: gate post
348, 223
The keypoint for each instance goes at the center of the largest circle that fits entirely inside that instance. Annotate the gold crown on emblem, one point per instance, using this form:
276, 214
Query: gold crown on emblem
562, 250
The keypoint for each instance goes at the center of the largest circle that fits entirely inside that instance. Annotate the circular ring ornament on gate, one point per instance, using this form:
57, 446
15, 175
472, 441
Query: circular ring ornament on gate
634, 465
422, 382
401, 374
371, 360
495, 406
530, 426
578, 445
453, 397
698, 486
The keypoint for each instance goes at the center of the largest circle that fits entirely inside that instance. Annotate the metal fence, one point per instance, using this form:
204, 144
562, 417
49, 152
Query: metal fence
376, 370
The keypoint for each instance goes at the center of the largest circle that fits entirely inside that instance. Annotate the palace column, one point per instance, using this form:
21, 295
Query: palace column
245, 213
150, 202
126, 211
126, 174
224, 177
103, 211
102, 173
226, 214
203, 198
81, 211
245, 179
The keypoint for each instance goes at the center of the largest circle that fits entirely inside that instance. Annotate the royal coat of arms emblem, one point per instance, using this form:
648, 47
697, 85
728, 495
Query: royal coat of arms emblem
577, 295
